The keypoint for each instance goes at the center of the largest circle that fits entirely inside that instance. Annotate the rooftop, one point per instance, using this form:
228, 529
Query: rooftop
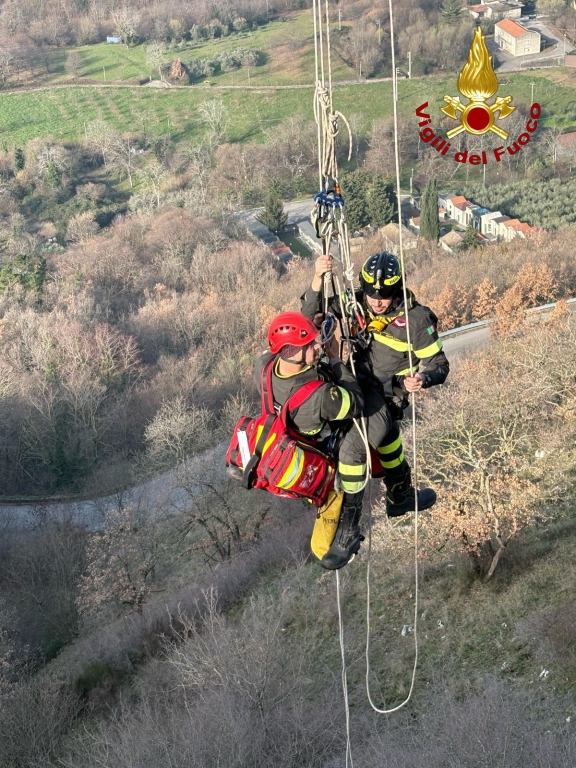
391, 231
512, 27
457, 200
452, 238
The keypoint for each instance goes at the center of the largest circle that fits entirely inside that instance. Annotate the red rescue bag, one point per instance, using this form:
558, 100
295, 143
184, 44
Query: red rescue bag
275, 457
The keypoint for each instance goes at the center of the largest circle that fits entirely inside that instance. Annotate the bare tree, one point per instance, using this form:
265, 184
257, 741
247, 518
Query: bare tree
81, 227
74, 63
152, 175
214, 114
127, 20
122, 156
7, 63
361, 48
101, 136
155, 56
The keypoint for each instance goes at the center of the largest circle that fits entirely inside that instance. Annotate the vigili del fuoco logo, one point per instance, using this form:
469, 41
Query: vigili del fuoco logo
477, 82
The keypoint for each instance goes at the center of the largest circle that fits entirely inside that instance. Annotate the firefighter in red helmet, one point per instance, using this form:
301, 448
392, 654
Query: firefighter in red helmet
295, 342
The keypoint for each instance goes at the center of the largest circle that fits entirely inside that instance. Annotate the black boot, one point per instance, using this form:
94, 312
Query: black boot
348, 537
401, 498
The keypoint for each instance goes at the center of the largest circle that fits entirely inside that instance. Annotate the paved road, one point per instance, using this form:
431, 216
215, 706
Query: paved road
164, 491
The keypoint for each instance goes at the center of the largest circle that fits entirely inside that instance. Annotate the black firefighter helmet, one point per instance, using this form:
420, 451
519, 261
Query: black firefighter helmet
381, 276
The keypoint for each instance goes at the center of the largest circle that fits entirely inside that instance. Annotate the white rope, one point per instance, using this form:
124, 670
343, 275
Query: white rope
413, 400
327, 125
344, 678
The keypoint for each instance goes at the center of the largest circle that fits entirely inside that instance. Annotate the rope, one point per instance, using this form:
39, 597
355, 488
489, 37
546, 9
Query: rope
413, 402
334, 225
344, 678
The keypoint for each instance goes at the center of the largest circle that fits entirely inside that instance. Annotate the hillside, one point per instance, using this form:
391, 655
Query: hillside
188, 626
241, 673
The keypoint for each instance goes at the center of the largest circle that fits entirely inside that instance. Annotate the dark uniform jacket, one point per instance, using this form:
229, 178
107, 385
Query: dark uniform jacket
338, 400
386, 358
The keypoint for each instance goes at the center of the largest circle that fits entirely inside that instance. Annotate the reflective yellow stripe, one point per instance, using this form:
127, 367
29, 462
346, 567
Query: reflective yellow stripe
351, 469
311, 431
393, 463
351, 487
435, 347
345, 407
294, 470
389, 341
406, 371
392, 447
269, 442
355, 470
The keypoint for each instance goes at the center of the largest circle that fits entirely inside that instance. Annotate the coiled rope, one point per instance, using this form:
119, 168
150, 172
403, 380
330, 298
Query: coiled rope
336, 227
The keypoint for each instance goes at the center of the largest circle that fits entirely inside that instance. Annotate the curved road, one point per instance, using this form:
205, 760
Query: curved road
165, 490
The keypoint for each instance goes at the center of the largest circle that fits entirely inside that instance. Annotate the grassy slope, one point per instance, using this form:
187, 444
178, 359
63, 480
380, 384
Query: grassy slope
287, 47
467, 630
62, 112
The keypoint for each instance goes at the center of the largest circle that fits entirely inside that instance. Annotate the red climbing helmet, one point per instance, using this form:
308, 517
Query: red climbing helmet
293, 329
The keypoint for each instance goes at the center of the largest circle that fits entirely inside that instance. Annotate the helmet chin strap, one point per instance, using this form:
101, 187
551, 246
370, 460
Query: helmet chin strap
302, 360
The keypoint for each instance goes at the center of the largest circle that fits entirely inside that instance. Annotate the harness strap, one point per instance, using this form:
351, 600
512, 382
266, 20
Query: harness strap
266, 386
298, 399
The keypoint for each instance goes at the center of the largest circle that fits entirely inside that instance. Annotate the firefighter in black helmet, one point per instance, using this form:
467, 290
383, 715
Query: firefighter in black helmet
383, 368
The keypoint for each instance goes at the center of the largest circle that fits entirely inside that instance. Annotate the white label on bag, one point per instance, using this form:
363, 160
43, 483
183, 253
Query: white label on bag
244, 448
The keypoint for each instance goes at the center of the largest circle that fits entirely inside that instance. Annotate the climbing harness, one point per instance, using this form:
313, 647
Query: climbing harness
329, 219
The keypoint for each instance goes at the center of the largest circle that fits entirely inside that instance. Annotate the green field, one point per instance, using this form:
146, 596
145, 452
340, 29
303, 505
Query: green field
286, 47
62, 112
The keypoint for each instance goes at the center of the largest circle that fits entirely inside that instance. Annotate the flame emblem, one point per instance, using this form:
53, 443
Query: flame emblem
477, 82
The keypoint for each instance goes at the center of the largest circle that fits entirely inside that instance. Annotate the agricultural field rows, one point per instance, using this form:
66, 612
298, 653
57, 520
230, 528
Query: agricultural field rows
63, 112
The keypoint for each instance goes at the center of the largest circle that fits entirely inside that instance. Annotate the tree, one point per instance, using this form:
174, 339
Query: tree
470, 239
274, 216
6, 64
429, 222
494, 483
81, 227
451, 11
215, 115
153, 175
101, 136
19, 159
155, 56
73, 63
355, 191
127, 20
382, 207
485, 302
121, 562
361, 48
122, 156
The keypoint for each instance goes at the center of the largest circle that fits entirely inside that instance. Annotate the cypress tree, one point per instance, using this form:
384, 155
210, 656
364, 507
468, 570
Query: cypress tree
274, 217
451, 11
19, 159
429, 222
355, 192
382, 206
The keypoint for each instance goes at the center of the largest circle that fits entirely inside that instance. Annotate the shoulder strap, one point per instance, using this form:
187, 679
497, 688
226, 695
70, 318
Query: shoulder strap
299, 398
266, 385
